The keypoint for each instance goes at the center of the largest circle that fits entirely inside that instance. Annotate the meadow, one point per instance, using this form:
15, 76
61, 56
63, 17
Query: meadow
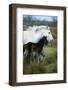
49, 64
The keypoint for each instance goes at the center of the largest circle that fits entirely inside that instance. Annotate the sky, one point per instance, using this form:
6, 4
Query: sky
41, 18
47, 18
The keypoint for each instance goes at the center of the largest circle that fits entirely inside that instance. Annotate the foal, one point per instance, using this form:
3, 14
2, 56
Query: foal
34, 50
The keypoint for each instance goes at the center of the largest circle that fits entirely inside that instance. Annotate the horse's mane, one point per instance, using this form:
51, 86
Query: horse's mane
42, 27
37, 28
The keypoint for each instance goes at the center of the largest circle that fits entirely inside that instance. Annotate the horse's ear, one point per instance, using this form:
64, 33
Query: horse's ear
37, 29
48, 28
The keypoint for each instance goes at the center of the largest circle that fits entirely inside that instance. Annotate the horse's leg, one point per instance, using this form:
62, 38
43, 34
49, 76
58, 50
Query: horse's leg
25, 56
29, 56
30, 52
38, 53
41, 56
38, 58
33, 55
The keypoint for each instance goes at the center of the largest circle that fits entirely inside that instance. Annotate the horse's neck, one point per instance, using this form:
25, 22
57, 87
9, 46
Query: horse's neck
41, 42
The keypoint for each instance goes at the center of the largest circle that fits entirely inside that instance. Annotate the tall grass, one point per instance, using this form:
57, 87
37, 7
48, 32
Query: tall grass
48, 65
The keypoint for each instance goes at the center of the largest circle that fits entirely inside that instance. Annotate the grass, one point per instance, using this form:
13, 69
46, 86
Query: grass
49, 64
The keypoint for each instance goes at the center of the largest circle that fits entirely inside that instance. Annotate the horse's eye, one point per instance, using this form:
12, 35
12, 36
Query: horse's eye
49, 32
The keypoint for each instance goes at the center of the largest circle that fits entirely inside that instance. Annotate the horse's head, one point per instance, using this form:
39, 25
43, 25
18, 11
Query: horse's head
47, 33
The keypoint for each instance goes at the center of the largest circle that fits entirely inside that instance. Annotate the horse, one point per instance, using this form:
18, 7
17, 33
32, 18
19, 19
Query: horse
34, 40
34, 49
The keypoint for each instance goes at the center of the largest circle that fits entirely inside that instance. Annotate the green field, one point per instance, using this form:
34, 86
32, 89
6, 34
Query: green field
48, 65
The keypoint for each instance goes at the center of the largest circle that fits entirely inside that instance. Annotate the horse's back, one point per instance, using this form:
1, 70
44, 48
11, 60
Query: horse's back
31, 36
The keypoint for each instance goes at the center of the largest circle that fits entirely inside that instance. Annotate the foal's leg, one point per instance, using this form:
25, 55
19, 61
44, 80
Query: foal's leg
29, 52
38, 57
34, 55
41, 56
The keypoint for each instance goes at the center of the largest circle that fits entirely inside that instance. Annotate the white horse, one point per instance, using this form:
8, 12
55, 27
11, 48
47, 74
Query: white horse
36, 33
